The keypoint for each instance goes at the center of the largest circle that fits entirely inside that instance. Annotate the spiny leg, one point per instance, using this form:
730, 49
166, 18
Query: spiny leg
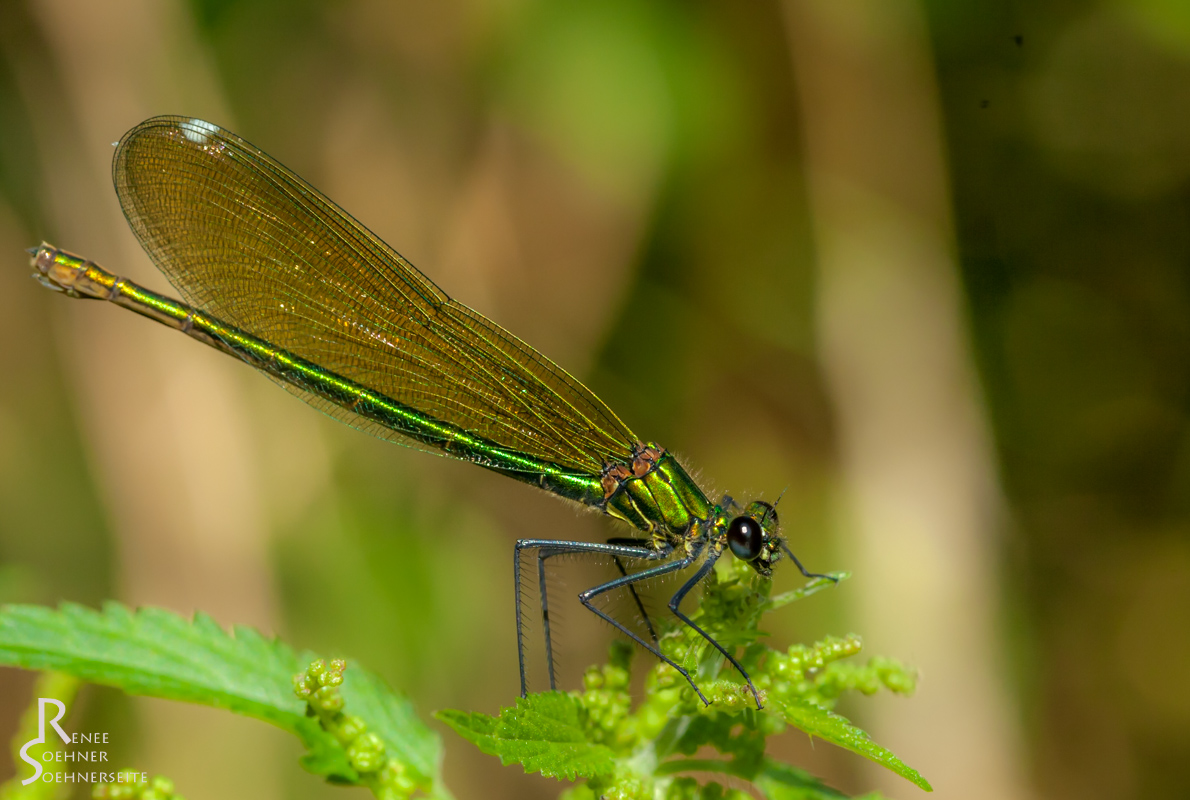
808, 574
543, 591
551, 547
520, 633
542, 555
628, 580
632, 587
676, 601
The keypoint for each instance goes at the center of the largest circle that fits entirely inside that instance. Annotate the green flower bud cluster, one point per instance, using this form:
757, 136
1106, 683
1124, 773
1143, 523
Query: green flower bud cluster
159, 788
797, 672
817, 672
626, 785
665, 692
319, 686
730, 598
878, 673
606, 700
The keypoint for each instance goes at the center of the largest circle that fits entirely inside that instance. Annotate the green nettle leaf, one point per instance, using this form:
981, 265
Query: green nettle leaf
544, 733
158, 653
824, 724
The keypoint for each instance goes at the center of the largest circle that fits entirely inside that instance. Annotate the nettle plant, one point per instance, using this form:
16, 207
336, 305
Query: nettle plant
359, 732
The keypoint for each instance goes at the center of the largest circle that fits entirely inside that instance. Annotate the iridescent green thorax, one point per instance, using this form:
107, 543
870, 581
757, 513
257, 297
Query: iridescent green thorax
655, 494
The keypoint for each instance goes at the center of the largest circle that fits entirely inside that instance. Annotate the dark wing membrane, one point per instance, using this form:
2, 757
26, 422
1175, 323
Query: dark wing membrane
249, 242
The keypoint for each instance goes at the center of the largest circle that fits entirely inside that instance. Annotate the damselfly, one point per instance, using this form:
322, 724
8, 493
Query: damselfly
274, 273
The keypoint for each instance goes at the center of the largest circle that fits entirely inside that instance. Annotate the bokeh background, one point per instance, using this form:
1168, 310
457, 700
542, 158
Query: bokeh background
923, 265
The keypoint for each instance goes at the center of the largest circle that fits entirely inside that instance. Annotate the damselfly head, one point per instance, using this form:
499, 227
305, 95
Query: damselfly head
754, 536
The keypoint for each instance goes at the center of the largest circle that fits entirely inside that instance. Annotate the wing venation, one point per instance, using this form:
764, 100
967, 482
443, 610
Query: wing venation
248, 241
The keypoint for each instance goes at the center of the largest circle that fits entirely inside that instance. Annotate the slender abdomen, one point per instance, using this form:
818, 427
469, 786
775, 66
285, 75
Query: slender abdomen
80, 277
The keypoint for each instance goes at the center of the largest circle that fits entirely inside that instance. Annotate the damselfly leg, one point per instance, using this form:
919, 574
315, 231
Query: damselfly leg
545, 553
640, 606
548, 548
619, 550
627, 580
805, 571
676, 601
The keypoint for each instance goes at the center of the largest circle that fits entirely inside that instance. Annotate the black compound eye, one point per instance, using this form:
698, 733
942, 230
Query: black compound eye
745, 538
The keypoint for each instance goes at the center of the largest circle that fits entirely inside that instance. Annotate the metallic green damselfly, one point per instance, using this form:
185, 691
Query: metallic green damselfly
277, 275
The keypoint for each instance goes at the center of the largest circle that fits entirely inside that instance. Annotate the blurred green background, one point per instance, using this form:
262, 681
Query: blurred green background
922, 264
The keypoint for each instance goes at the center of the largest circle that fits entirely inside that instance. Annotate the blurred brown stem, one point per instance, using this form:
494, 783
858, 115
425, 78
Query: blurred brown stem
920, 503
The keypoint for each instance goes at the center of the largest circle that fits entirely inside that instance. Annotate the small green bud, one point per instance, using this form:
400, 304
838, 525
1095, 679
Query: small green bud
366, 753
347, 727
617, 677
628, 786
333, 674
302, 686
365, 761
395, 776
901, 683
666, 675
327, 699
